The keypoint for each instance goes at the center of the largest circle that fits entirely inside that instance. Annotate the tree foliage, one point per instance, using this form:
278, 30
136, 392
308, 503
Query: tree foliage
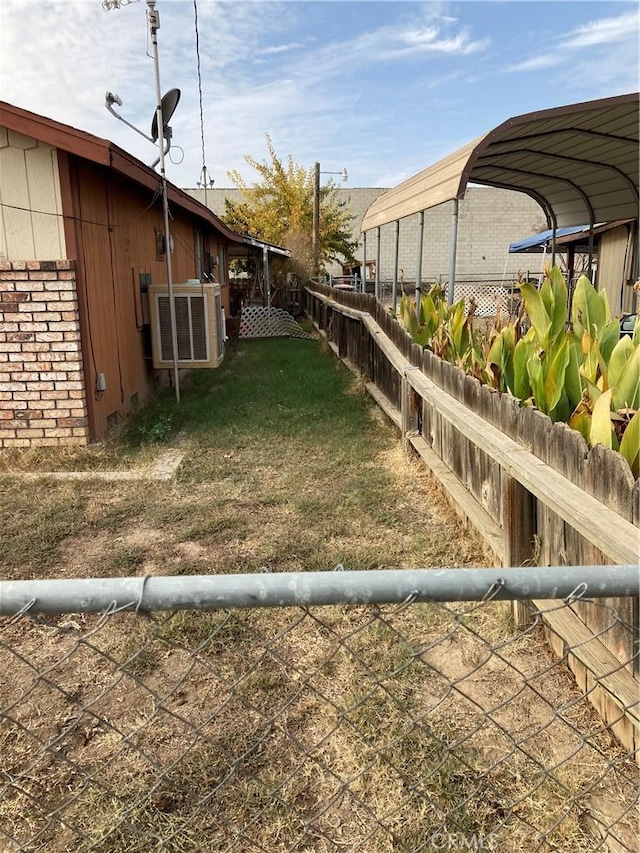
278, 208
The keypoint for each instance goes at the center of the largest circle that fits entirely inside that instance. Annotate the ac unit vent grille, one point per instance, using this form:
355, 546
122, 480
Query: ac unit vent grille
191, 328
199, 325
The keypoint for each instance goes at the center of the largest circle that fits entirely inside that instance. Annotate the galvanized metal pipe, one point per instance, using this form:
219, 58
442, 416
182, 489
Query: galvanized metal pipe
378, 293
454, 253
364, 261
418, 291
394, 294
391, 586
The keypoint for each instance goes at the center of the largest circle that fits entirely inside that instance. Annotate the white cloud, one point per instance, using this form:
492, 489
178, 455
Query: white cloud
601, 33
604, 31
280, 48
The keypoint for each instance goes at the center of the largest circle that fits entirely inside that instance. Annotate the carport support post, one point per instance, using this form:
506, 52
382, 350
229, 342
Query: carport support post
394, 295
418, 292
378, 293
364, 261
454, 251
266, 287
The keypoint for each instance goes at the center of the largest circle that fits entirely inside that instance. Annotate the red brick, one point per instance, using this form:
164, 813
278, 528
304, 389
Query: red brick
64, 265
34, 327
66, 346
33, 265
26, 395
70, 386
29, 285
50, 336
43, 276
15, 297
61, 283
36, 347
56, 395
23, 356
28, 415
20, 336
14, 276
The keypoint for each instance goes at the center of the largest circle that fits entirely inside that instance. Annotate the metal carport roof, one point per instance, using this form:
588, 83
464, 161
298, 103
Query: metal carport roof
579, 162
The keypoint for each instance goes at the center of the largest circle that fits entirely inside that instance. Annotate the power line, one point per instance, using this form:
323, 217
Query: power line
204, 163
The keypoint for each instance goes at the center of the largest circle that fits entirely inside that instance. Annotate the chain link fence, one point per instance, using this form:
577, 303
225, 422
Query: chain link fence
419, 725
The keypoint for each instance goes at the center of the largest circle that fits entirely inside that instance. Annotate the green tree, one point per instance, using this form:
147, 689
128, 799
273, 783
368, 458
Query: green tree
278, 208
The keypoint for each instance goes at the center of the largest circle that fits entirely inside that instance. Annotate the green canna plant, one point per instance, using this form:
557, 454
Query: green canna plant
582, 373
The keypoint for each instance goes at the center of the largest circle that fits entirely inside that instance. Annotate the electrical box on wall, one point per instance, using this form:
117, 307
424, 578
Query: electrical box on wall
199, 325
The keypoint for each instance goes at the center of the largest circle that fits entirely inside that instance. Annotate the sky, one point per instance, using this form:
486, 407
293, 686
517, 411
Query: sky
382, 89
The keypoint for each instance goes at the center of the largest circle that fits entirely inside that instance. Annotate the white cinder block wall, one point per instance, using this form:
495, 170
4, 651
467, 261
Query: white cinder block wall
489, 219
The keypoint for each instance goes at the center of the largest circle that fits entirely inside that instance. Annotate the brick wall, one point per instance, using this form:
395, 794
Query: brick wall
42, 389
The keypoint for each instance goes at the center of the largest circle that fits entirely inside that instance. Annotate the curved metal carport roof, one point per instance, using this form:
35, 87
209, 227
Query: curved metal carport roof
579, 162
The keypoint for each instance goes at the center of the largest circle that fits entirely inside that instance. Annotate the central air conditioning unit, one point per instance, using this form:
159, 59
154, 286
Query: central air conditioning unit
200, 325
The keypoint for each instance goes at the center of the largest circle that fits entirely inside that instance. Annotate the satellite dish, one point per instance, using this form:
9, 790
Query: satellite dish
169, 103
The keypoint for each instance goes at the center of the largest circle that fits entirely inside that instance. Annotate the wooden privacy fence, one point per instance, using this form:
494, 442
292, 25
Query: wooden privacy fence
531, 488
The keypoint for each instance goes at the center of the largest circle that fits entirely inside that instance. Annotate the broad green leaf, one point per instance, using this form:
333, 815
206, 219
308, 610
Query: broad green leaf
534, 369
559, 312
561, 410
588, 311
593, 392
546, 295
521, 384
619, 357
601, 428
554, 378
608, 339
630, 444
602, 295
582, 422
501, 355
626, 394
537, 312
572, 383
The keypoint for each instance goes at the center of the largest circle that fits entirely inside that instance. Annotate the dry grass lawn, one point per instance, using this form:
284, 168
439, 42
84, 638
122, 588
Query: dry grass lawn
339, 729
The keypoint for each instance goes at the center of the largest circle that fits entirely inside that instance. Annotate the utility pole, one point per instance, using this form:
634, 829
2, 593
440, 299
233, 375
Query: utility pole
154, 26
316, 220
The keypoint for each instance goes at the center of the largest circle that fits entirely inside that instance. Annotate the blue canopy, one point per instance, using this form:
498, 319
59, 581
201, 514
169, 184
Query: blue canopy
537, 242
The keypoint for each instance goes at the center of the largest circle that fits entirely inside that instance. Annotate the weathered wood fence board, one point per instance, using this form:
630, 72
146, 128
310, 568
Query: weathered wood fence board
536, 483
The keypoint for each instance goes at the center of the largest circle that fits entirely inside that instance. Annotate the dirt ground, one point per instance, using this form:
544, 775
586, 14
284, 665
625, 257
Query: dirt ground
408, 728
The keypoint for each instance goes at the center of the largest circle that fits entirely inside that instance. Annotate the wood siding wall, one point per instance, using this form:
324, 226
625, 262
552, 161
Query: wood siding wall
115, 226
31, 226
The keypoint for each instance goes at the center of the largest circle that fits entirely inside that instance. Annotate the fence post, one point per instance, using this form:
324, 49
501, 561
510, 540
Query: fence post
409, 409
518, 534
